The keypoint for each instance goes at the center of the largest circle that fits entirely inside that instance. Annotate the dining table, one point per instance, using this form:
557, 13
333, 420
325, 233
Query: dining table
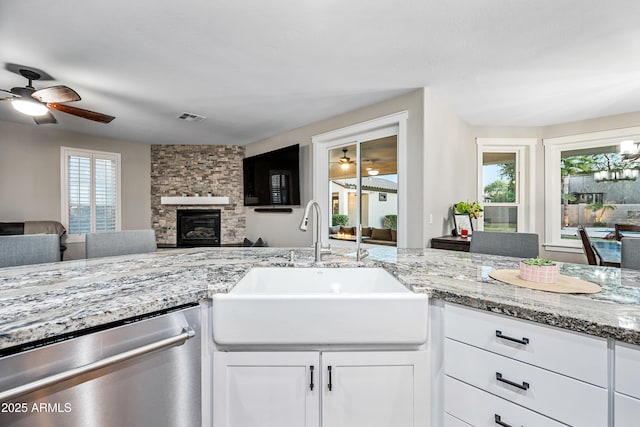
609, 252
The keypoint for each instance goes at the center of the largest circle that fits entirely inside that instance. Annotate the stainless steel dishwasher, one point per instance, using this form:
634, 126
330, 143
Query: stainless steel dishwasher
143, 372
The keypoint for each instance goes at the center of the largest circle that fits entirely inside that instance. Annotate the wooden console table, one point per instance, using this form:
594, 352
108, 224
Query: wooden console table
451, 243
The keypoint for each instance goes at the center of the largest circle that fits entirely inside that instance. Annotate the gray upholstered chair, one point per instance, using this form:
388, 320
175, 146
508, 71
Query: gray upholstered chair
630, 257
127, 242
29, 249
520, 245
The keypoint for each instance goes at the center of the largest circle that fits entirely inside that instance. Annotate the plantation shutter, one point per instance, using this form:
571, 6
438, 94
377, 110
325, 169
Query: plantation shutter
91, 199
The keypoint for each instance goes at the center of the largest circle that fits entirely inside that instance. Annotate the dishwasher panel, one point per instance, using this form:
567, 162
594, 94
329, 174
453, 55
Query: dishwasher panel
140, 373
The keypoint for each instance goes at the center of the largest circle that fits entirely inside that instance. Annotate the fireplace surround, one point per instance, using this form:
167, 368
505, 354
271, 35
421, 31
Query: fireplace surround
198, 227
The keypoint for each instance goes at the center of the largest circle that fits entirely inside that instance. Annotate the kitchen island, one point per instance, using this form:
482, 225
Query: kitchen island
45, 301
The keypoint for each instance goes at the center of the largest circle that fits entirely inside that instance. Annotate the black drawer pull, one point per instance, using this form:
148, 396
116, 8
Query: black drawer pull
500, 422
311, 383
524, 340
523, 386
330, 386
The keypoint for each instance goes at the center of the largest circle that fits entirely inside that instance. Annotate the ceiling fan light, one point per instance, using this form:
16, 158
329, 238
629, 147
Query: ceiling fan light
373, 172
344, 166
30, 108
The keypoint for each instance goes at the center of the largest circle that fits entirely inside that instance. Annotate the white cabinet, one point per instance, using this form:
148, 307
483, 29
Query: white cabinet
281, 389
627, 385
524, 373
258, 389
375, 389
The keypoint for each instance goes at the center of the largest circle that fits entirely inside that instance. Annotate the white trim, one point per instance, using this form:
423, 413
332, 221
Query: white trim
593, 136
65, 152
392, 124
552, 155
525, 151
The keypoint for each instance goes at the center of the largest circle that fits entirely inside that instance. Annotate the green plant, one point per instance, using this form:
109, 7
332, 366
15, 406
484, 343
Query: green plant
390, 221
472, 208
339, 219
538, 261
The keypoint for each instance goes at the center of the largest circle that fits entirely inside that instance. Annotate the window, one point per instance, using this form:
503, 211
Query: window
90, 191
505, 184
591, 180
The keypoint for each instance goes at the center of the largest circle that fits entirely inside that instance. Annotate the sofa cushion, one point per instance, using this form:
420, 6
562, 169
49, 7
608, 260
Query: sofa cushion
366, 231
381, 234
394, 235
334, 229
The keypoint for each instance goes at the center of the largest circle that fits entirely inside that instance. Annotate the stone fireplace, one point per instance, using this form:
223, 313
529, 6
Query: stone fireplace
198, 227
191, 170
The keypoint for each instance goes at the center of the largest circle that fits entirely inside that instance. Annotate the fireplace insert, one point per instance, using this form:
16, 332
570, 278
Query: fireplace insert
198, 227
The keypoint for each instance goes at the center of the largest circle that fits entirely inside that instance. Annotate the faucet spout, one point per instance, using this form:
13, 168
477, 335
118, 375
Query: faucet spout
304, 225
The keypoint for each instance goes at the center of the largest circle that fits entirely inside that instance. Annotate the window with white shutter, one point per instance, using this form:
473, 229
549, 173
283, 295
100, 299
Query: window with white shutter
90, 191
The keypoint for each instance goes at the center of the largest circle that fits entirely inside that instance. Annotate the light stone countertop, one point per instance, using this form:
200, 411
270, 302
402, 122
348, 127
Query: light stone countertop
48, 300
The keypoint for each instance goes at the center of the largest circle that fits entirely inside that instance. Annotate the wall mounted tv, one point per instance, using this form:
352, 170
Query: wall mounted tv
273, 178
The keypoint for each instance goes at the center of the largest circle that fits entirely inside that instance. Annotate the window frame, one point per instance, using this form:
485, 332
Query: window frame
65, 152
524, 150
553, 148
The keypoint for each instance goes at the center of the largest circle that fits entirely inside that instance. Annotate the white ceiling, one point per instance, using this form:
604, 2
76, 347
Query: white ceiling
258, 68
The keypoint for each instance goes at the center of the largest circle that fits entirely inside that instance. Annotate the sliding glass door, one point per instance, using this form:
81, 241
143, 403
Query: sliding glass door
363, 187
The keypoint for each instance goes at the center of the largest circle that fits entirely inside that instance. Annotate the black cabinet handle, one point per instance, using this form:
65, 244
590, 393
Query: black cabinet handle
311, 383
524, 340
329, 385
500, 422
523, 386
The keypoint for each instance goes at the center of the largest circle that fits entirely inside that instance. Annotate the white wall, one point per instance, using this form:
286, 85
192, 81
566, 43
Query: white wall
449, 166
282, 229
30, 175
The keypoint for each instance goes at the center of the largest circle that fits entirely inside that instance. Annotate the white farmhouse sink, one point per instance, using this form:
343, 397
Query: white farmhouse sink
320, 307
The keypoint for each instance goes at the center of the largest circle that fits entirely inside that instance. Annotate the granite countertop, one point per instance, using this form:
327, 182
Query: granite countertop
44, 301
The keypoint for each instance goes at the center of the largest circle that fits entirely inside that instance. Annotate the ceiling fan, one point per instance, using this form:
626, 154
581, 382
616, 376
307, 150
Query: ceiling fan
345, 161
36, 103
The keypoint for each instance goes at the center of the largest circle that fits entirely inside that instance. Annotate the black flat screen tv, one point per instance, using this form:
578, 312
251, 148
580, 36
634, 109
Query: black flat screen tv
273, 178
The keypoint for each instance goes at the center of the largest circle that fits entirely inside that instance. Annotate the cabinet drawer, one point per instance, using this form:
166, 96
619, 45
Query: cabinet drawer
557, 396
627, 411
481, 409
569, 353
627, 362
451, 421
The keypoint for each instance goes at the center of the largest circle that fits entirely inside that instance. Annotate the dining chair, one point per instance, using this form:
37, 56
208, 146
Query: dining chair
625, 227
27, 249
126, 242
630, 253
520, 245
586, 245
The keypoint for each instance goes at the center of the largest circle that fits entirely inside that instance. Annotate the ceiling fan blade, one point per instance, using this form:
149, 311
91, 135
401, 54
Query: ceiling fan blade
7, 95
45, 120
85, 114
56, 94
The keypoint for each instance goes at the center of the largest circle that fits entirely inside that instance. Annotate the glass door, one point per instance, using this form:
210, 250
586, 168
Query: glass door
363, 183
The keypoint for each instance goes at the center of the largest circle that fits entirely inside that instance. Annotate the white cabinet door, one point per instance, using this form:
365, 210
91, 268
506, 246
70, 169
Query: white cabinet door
266, 389
375, 389
627, 410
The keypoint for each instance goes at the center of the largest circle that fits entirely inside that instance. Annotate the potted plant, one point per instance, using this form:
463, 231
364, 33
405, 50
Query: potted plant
472, 208
539, 270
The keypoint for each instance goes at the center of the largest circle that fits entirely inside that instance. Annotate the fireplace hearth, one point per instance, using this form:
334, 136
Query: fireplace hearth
198, 227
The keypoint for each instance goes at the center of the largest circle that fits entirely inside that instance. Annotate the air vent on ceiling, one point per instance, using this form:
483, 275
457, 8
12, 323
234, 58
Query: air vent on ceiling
190, 117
